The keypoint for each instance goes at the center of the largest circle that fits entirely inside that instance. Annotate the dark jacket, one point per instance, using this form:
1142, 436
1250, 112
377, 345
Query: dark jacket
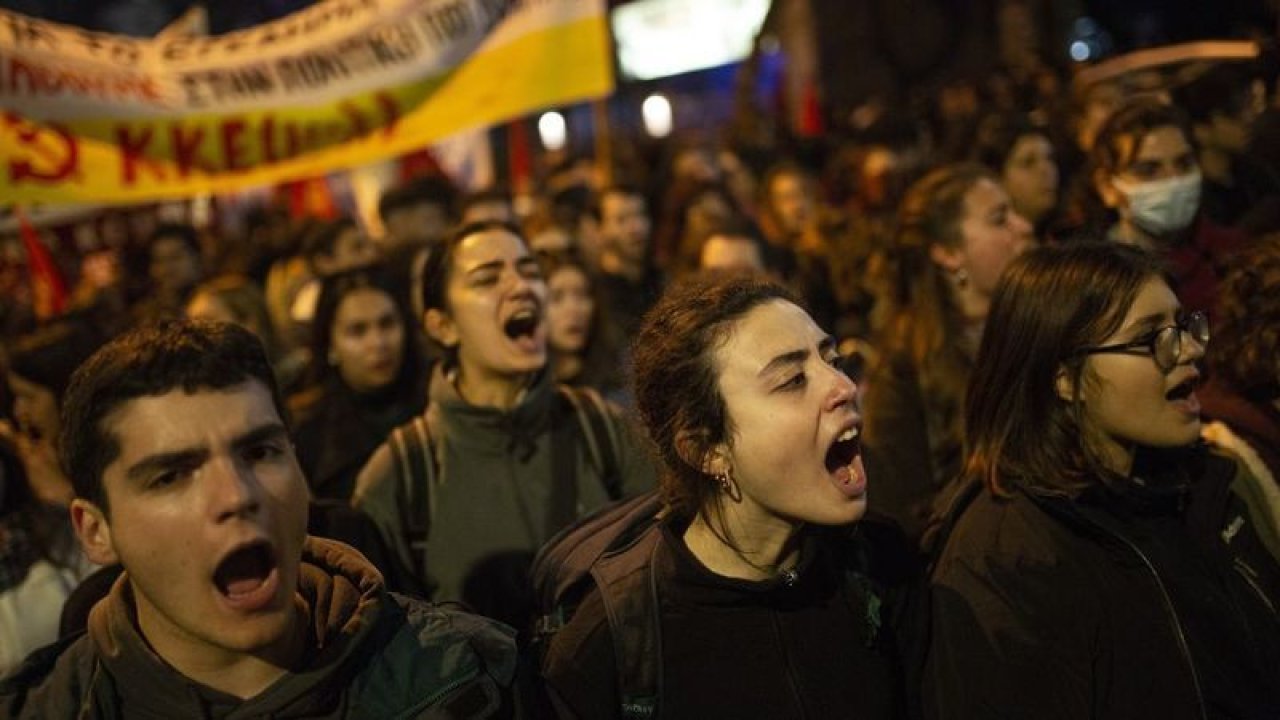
336, 429
1139, 601
373, 655
810, 648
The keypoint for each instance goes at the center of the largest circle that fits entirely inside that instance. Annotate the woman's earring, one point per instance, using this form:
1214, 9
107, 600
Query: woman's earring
961, 277
728, 486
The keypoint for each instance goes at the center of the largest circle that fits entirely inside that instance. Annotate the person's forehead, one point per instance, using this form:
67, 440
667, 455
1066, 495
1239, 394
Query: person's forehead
984, 194
488, 246
178, 420
568, 275
1162, 142
364, 302
1155, 297
622, 202
168, 245
766, 331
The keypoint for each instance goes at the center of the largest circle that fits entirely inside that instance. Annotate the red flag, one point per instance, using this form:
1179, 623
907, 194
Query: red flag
48, 290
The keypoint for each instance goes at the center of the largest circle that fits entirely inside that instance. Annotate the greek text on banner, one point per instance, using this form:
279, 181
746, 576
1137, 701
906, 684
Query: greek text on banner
93, 117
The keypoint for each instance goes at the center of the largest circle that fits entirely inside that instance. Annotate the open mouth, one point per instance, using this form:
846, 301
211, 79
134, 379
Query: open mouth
1182, 390
523, 323
844, 450
245, 570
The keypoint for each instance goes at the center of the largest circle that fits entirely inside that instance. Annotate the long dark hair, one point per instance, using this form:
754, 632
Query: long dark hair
601, 356
924, 324
1050, 303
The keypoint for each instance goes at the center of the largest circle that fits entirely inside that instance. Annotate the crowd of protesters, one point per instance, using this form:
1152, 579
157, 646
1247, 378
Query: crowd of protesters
1030, 355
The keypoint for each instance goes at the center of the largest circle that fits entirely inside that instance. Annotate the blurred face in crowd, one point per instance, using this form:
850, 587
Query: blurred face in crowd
1160, 154
569, 310
1230, 130
730, 252
992, 234
1101, 101
496, 299
793, 447
624, 226
367, 340
1128, 400
551, 239
707, 214
1031, 177
422, 223
489, 211
1158, 190
208, 511
175, 267
792, 202
696, 164
207, 306
35, 408
351, 249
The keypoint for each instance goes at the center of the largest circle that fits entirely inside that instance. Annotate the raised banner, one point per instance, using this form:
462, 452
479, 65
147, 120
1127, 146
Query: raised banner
107, 118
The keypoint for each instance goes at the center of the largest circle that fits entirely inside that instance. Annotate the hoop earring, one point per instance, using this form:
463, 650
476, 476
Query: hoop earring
728, 486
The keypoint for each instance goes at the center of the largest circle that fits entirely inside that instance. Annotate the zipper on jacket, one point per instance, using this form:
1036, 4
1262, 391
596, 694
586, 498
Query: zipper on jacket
786, 656
436, 696
1168, 606
1248, 574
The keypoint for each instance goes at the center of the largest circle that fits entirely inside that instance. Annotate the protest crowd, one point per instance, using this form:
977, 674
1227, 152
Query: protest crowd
964, 407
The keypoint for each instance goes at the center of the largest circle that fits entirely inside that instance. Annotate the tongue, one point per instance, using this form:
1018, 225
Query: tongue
243, 586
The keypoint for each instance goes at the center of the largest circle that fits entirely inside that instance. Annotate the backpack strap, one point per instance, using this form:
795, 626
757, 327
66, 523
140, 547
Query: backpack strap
600, 433
629, 591
417, 469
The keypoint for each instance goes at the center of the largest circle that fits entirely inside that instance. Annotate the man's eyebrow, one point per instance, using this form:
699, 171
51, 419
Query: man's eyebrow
187, 457
263, 433
158, 462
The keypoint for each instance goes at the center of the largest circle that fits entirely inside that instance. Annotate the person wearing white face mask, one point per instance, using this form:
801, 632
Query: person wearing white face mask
1145, 169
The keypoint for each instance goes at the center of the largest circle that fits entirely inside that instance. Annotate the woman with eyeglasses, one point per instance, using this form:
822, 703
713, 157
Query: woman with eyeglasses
1096, 562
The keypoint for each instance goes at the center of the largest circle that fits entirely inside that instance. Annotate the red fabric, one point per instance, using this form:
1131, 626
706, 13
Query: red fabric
48, 289
520, 156
1198, 265
419, 163
811, 118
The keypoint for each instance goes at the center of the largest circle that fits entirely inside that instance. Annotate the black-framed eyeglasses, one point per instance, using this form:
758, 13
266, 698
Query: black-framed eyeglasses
1164, 344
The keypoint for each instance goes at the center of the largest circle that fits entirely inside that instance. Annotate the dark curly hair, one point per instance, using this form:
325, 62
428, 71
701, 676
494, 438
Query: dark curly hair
1245, 352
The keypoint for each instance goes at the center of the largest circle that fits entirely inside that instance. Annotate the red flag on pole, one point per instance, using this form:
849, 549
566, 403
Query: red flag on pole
48, 290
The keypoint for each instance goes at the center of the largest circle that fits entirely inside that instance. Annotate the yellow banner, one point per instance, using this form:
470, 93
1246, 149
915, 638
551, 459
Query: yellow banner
190, 116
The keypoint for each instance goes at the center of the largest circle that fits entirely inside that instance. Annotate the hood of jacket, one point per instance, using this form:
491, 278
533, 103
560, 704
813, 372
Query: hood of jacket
339, 596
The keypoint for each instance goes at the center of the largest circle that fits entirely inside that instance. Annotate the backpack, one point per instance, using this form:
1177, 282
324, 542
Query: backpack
612, 551
417, 467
